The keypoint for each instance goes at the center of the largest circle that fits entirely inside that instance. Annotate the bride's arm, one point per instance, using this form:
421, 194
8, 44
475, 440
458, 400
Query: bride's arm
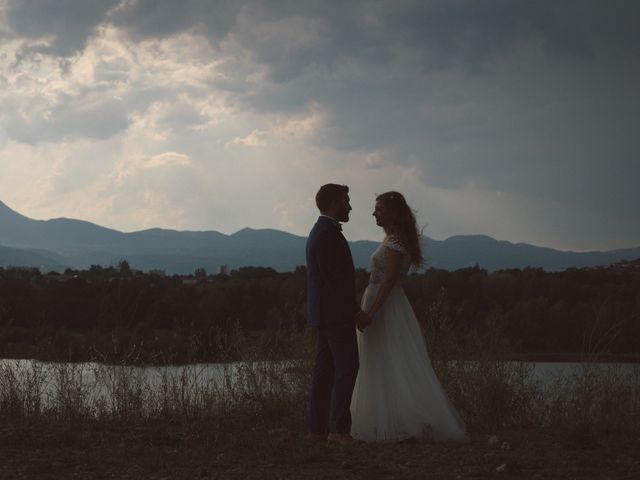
393, 260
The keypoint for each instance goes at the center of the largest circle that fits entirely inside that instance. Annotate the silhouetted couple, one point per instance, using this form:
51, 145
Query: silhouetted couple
377, 384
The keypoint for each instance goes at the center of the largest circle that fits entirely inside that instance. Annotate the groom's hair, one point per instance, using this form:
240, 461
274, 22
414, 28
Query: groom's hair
328, 194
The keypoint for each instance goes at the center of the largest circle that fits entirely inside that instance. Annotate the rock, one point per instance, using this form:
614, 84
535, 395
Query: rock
502, 468
493, 440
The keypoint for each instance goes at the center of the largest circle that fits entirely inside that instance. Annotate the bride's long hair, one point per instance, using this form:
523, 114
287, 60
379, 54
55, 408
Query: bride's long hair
404, 225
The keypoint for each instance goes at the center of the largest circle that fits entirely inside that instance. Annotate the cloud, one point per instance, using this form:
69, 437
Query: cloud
144, 19
256, 138
64, 26
167, 159
521, 117
68, 117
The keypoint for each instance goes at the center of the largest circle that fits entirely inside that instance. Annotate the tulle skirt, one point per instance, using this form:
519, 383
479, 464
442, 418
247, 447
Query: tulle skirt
397, 394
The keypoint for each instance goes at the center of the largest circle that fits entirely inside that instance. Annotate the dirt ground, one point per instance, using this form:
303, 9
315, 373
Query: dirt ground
31, 451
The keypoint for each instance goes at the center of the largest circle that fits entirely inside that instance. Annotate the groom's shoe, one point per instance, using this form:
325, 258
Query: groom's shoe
341, 438
317, 437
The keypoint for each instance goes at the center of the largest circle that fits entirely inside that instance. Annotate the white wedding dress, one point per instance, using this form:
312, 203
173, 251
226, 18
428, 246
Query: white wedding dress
397, 394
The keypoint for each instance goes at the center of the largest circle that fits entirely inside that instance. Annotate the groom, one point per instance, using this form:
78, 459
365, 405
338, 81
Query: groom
333, 310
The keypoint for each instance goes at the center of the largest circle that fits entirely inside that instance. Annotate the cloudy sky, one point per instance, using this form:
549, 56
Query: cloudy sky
518, 120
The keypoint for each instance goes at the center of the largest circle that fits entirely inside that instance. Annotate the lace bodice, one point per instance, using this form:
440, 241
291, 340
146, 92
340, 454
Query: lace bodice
378, 261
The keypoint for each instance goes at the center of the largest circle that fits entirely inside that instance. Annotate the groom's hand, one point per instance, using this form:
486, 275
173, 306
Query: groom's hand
363, 321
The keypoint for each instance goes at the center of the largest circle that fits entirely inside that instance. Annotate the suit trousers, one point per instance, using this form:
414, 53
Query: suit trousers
334, 376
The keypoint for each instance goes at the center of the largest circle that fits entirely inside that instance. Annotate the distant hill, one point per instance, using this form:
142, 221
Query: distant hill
25, 257
59, 243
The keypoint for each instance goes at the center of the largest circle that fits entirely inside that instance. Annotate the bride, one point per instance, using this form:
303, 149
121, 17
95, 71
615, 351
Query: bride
397, 394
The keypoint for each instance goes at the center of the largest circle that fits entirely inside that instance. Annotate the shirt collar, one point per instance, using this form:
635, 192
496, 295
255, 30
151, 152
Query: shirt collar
336, 222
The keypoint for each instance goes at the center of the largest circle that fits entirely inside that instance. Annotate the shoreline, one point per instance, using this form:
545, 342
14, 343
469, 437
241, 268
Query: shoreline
543, 357
530, 357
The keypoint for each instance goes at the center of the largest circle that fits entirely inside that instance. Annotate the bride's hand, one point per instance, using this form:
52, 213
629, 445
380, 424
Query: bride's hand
363, 321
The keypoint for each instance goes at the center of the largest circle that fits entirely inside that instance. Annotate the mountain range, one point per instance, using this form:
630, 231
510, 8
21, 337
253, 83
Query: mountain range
62, 243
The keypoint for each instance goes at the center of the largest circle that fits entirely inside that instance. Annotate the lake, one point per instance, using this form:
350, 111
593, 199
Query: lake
96, 382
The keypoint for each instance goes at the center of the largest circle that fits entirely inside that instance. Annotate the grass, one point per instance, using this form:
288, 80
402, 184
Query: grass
168, 420
489, 393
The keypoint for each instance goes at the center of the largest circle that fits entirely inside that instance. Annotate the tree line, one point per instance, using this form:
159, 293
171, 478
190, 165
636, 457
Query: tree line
115, 313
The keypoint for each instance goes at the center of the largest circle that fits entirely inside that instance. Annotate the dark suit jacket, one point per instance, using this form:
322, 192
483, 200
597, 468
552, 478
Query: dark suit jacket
331, 291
